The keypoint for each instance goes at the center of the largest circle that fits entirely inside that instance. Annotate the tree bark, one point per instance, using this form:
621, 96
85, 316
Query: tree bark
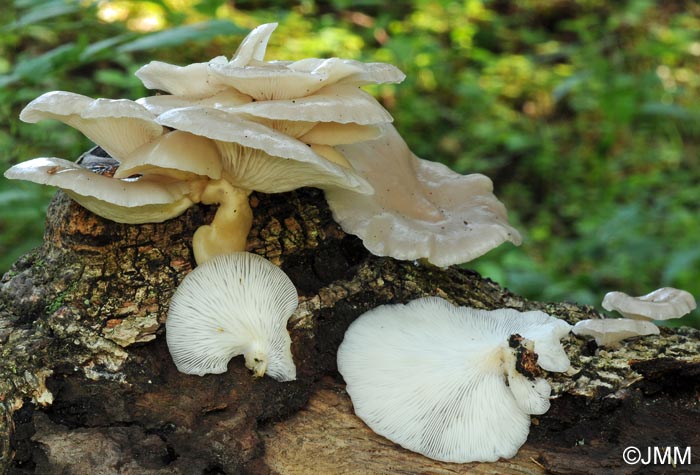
87, 385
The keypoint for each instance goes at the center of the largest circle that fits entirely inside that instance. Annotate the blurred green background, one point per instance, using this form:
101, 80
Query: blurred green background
586, 114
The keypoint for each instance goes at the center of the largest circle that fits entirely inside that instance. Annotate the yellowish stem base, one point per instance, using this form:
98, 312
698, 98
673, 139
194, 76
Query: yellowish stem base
229, 230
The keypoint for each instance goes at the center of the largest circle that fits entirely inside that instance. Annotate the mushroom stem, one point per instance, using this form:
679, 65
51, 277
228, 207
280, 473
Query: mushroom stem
228, 231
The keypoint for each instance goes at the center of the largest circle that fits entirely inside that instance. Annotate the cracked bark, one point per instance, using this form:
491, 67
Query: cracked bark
87, 385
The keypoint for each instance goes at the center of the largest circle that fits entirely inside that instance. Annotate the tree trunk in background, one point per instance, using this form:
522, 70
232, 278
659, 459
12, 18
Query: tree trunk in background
87, 385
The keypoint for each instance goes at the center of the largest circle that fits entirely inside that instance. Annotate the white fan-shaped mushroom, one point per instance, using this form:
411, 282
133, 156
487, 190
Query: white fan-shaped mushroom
148, 199
432, 377
662, 304
231, 305
610, 331
419, 209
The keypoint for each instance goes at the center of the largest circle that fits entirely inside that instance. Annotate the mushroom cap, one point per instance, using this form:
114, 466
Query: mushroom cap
331, 133
119, 126
163, 103
250, 76
421, 209
196, 80
609, 331
273, 80
661, 304
148, 199
191, 80
177, 154
337, 103
254, 45
432, 377
233, 304
257, 157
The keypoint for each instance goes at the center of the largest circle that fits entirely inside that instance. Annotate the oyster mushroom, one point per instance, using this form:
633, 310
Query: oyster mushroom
196, 80
421, 209
119, 126
247, 77
176, 154
193, 81
147, 199
452, 383
661, 304
253, 157
610, 331
264, 81
140, 192
312, 90
234, 304
257, 157
159, 175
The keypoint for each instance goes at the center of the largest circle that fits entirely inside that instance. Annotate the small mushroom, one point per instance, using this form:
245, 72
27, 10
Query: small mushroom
146, 199
455, 384
193, 80
196, 80
421, 209
231, 305
610, 331
254, 45
661, 304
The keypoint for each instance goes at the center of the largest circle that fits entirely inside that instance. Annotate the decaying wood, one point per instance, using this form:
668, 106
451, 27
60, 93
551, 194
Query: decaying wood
87, 385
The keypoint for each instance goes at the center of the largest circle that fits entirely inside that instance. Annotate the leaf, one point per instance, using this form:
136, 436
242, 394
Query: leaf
47, 63
44, 11
13, 195
103, 46
209, 7
669, 111
680, 262
7, 79
176, 36
568, 84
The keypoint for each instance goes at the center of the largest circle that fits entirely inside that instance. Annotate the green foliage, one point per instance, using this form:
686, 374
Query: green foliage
586, 114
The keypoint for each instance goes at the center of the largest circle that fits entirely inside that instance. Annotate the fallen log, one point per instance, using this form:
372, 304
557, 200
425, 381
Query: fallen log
87, 384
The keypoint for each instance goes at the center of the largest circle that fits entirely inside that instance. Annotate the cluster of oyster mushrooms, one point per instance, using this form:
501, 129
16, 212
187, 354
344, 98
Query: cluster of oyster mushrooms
225, 128
639, 315
222, 129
